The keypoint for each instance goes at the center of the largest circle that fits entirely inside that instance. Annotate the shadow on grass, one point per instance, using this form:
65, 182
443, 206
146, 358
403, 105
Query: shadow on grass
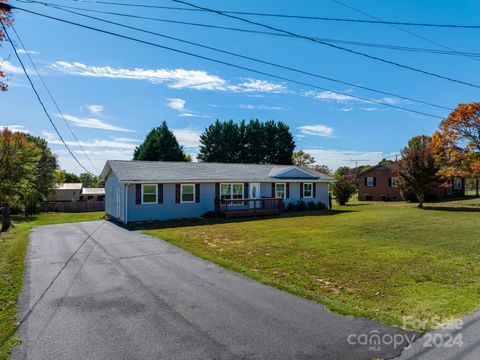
453, 208
152, 225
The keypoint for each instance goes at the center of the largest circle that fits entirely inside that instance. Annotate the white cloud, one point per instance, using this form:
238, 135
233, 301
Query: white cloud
346, 109
254, 85
9, 68
261, 107
335, 158
187, 137
174, 78
95, 144
318, 130
14, 128
95, 109
92, 123
176, 104
22, 52
330, 96
179, 105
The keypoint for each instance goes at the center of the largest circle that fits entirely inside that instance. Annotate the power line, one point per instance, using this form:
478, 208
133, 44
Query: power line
253, 59
52, 98
333, 46
400, 28
304, 17
224, 62
356, 43
38, 97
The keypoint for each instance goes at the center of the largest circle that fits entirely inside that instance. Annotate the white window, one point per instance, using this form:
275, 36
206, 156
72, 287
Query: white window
187, 193
149, 193
307, 190
457, 183
231, 191
280, 190
394, 181
370, 181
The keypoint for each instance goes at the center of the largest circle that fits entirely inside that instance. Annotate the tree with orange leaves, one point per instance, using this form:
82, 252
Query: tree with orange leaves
456, 145
6, 19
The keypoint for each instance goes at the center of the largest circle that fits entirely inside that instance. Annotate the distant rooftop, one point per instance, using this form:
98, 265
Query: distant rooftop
69, 186
93, 191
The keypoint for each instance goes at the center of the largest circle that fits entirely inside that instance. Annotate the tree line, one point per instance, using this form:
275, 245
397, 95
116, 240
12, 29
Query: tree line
252, 142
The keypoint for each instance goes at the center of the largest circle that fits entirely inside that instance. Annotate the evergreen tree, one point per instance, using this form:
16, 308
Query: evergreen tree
254, 142
160, 145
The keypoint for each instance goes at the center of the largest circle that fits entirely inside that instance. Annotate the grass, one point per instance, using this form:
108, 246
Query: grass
13, 248
378, 260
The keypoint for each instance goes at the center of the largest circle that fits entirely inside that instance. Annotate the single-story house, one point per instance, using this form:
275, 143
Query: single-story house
159, 190
93, 194
66, 192
379, 183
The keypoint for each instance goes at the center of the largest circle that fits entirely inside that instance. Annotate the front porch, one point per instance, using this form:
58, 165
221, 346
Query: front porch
248, 207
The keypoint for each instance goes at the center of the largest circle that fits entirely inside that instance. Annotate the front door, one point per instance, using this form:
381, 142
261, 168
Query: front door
254, 193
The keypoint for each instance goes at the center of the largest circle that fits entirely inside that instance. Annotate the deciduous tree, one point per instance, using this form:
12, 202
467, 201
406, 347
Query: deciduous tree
456, 144
416, 170
19, 159
301, 158
160, 145
343, 188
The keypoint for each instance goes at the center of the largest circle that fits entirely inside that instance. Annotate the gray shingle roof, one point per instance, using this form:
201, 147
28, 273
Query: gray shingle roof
165, 171
93, 191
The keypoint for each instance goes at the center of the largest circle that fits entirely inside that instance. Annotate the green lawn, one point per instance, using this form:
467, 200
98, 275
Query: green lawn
13, 247
379, 260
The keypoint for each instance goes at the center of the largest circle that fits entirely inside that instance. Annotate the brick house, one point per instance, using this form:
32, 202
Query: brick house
379, 184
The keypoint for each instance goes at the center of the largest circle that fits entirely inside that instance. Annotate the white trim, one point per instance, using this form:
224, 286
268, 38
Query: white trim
284, 189
311, 190
231, 189
456, 181
156, 194
226, 181
373, 181
181, 194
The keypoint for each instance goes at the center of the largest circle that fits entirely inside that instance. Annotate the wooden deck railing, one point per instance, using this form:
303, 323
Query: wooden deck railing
248, 207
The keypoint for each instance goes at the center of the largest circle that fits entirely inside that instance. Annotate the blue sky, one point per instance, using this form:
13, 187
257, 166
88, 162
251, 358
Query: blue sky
113, 91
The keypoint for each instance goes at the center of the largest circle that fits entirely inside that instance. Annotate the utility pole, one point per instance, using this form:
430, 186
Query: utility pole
356, 161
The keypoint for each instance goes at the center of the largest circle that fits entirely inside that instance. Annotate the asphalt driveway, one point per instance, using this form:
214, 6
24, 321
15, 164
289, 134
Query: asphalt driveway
95, 290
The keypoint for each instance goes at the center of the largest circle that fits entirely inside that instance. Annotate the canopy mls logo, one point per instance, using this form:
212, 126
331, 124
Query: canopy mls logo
374, 340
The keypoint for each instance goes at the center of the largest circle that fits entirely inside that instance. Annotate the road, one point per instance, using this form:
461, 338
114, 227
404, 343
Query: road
95, 290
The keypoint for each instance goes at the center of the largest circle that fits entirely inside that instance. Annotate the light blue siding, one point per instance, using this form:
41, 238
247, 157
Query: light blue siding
169, 209
114, 198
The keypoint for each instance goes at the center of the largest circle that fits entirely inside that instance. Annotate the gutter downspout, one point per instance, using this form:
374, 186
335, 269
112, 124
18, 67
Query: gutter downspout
126, 203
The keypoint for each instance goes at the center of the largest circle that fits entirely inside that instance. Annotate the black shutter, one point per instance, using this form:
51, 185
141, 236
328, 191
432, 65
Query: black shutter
288, 191
197, 193
374, 181
390, 181
273, 190
160, 193
314, 190
245, 192
138, 194
177, 193
365, 179
217, 190
301, 190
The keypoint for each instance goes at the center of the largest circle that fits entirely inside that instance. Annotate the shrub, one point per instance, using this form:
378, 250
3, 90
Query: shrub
300, 205
321, 206
343, 188
290, 207
311, 205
